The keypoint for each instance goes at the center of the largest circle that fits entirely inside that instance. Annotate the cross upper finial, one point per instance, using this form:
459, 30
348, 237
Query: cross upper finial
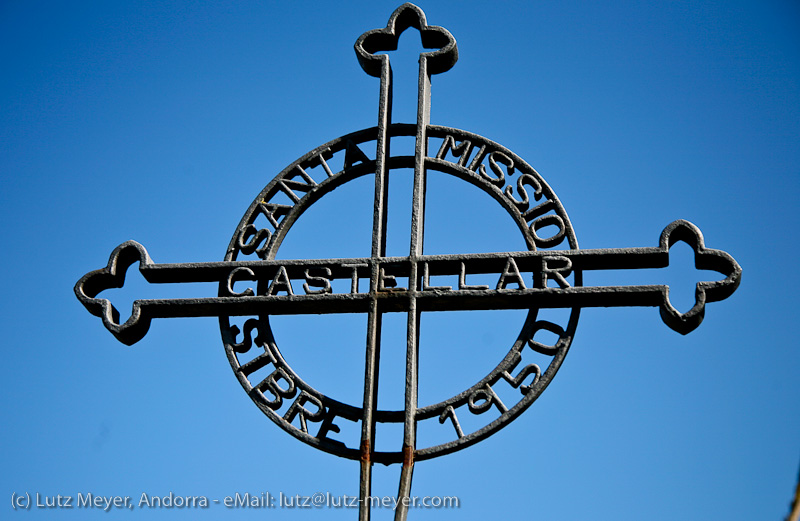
407, 15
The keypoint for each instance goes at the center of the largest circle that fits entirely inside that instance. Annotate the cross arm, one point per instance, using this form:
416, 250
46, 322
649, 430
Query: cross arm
525, 279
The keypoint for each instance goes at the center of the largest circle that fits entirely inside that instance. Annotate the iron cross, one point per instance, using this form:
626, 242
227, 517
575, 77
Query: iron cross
546, 275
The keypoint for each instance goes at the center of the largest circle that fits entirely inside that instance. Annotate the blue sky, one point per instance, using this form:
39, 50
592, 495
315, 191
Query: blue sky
160, 122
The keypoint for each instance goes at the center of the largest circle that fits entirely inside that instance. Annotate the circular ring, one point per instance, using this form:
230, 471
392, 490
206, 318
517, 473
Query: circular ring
293, 404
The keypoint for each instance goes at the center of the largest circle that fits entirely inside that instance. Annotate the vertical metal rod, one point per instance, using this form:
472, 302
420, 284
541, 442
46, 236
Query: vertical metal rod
370, 404
412, 334
372, 362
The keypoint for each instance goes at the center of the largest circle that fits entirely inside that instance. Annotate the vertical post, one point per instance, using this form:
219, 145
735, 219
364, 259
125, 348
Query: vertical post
443, 56
415, 251
372, 362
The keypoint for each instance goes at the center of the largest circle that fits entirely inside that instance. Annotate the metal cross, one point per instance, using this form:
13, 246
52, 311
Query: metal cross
543, 276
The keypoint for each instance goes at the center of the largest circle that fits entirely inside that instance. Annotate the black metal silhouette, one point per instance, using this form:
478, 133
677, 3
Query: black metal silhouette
543, 276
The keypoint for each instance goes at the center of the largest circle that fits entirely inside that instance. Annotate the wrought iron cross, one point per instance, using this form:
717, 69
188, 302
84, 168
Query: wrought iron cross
546, 275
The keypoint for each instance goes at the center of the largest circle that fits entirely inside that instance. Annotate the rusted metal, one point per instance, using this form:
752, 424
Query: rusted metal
546, 275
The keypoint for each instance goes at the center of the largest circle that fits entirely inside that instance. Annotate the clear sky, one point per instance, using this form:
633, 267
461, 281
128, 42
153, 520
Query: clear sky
162, 121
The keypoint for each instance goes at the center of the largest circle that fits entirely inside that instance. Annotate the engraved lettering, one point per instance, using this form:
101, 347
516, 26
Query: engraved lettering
426, 281
387, 282
462, 280
281, 282
516, 381
451, 413
556, 267
273, 211
288, 183
323, 282
539, 347
247, 340
524, 179
257, 243
499, 178
478, 159
297, 410
320, 158
538, 210
353, 155
510, 271
354, 276
328, 426
548, 220
270, 383
262, 360
240, 271
485, 397
462, 150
